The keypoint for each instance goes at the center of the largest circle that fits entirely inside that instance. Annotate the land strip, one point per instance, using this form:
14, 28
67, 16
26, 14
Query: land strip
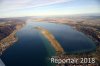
51, 39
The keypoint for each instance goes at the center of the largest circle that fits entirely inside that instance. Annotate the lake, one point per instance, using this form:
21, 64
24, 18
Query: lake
32, 48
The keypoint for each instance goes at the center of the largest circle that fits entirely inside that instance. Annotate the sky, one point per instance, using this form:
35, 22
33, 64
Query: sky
19, 8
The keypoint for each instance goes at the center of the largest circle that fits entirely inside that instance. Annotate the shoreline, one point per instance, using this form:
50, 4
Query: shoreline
9, 40
94, 53
61, 55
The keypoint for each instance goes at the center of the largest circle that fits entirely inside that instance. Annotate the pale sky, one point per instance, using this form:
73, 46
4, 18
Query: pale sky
17, 8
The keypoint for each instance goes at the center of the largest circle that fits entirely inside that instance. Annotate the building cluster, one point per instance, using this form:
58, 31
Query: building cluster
93, 32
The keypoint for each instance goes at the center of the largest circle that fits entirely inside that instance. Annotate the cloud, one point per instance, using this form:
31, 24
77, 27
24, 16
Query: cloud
6, 5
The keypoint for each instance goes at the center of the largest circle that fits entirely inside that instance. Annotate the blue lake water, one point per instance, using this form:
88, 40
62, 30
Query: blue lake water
32, 49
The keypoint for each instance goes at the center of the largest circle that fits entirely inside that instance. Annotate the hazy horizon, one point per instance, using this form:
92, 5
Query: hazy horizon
20, 8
